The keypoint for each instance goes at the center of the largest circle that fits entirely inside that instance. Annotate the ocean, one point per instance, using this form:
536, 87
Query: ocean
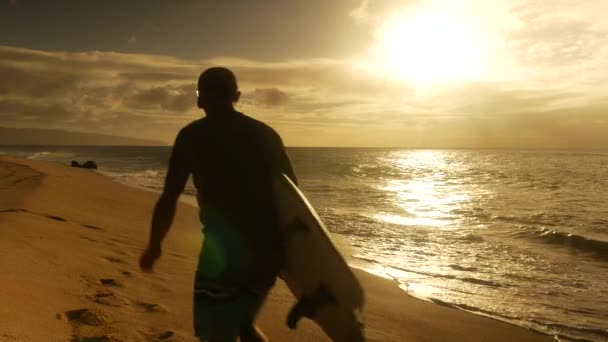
521, 235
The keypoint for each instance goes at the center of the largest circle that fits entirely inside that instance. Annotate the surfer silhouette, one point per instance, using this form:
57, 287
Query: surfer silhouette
232, 159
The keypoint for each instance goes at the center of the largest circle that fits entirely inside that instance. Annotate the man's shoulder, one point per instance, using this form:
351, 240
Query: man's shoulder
185, 134
259, 126
195, 125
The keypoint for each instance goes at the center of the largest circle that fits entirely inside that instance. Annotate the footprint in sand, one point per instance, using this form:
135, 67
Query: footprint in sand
124, 242
7, 336
110, 299
94, 282
110, 244
88, 239
150, 307
166, 336
87, 317
14, 211
52, 217
92, 227
56, 218
115, 260
177, 255
127, 274
92, 325
121, 252
110, 282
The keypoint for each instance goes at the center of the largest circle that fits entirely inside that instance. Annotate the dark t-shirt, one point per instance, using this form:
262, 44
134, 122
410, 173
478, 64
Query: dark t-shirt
232, 158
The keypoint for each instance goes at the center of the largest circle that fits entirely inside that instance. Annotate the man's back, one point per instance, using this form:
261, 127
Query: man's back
232, 159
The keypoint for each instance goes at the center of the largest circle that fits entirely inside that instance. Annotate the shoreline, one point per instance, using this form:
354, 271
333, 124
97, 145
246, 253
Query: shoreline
381, 308
400, 285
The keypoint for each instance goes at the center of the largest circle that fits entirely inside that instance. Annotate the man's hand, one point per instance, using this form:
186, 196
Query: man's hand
147, 260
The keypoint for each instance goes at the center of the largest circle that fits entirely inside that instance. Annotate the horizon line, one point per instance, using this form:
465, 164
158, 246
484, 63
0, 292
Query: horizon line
338, 147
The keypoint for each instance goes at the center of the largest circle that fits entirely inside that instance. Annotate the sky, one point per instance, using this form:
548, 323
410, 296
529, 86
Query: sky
382, 73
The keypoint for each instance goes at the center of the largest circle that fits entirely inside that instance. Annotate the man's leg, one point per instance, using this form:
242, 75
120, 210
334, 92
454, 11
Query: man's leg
251, 333
219, 340
225, 319
251, 304
216, 320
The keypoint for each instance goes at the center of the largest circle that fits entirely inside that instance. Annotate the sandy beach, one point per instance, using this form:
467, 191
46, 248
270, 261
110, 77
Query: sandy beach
69, 244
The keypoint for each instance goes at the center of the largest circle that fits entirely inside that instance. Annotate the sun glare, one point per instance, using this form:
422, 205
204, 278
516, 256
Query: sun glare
429, 48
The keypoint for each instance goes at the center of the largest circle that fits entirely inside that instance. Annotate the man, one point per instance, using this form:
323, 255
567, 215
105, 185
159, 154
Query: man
232, 159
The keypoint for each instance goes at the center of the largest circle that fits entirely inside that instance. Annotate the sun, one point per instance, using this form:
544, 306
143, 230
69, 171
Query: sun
429, 48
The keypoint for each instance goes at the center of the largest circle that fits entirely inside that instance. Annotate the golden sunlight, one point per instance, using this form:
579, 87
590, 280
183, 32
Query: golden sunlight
430, 47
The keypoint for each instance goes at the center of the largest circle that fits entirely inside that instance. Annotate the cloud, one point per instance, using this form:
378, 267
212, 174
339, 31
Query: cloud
266, 97
374, 10
36, 83
157, 76
360, 13
557, 42
81, 90
114, 92
169, 98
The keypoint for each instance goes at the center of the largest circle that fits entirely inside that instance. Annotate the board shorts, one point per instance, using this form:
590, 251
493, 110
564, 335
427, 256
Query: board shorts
221, 313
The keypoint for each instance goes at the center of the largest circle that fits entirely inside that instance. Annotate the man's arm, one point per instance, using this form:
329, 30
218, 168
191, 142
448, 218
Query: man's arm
164, 211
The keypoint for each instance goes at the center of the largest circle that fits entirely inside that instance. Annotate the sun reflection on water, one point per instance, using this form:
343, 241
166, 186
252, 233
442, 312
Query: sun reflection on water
423, 194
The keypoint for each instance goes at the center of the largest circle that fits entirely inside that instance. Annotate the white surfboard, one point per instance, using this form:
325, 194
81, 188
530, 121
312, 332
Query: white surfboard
315, 272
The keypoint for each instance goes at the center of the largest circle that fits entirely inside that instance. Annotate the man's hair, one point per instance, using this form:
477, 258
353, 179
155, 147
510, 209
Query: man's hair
219, 82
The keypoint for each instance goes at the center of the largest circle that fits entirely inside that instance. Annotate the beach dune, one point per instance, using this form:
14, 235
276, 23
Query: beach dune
69, 246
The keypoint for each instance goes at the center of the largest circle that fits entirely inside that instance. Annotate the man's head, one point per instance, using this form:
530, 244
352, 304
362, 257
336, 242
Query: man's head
217, 90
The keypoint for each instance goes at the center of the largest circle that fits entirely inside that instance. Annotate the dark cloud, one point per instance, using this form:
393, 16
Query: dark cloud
312, 74
267, 97
35, 112
35, 83
94, 90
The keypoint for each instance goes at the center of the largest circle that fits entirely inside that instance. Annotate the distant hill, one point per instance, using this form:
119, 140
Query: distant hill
35, 136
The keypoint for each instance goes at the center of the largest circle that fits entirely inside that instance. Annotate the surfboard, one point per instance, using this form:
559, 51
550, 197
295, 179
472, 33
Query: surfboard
316, 273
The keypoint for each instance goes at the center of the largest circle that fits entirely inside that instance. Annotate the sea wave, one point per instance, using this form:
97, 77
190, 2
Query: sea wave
60, 156
38, 155
574, 333
467, 279
596, 248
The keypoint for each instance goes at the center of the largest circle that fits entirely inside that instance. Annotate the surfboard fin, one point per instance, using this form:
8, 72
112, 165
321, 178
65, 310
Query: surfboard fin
309, 305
